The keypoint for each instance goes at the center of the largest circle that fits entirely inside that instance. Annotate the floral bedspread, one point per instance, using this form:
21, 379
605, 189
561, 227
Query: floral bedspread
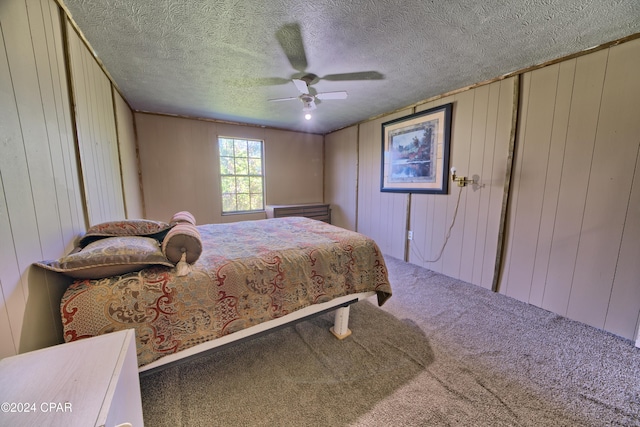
249, 272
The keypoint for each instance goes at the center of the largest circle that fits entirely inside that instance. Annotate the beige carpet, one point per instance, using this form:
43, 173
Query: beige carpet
440, 353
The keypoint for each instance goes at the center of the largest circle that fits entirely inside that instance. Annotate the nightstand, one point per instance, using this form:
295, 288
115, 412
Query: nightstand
90, 382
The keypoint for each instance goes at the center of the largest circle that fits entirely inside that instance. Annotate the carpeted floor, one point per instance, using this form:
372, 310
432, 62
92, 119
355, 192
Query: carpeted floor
440, 352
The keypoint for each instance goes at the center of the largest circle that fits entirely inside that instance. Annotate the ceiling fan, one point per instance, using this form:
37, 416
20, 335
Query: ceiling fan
308, 99
289, 37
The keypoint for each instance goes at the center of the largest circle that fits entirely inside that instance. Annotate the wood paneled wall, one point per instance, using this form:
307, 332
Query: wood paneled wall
129, 159
382, 216
40, 203
481, 126
97, 135
573, 230
469, 215
574, 240
341, 176
42, 208
171, 148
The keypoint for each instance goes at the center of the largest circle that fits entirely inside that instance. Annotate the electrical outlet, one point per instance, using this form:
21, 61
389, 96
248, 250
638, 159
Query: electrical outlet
410, 235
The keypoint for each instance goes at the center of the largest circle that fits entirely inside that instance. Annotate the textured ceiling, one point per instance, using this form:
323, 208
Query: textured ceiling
224, 59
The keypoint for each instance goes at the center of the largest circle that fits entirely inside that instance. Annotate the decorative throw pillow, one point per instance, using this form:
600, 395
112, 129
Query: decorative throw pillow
185, 239
126, 227
110, 256
183, 216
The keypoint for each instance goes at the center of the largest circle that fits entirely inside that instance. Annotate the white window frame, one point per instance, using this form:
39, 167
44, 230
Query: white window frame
237, 159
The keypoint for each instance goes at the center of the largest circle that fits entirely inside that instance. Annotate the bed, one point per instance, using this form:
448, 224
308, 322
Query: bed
247, 278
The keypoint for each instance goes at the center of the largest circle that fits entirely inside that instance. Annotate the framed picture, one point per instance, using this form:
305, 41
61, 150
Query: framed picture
415, 152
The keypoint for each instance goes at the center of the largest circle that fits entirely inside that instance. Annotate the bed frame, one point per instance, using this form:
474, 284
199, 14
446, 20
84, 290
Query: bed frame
340, 329
47, 331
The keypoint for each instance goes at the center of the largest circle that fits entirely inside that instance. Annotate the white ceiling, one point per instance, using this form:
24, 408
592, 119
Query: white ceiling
224, 59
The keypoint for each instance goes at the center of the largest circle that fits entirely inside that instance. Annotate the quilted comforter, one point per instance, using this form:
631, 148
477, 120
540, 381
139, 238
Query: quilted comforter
249, 272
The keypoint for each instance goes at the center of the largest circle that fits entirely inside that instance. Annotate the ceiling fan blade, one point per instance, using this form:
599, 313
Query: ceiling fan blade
361, 75
283, 99
332, 95
301, 85
290, 39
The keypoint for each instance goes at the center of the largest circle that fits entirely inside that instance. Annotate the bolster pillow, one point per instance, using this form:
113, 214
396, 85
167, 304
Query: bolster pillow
183, 217
182, 240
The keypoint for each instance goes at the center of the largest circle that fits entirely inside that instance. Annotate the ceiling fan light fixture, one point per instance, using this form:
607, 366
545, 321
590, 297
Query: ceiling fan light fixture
307, 116
308, 103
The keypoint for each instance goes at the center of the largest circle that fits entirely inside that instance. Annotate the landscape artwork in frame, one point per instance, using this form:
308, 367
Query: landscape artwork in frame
415, 152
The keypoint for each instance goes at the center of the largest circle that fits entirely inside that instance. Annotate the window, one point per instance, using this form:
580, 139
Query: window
241, 175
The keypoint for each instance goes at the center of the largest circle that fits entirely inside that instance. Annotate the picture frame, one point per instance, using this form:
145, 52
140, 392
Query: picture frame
415, 152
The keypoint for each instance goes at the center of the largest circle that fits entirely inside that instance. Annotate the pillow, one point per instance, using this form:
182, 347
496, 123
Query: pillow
183, 238
126, 227
110, 256
183, 216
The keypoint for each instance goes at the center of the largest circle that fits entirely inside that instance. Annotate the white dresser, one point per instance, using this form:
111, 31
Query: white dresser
90, 382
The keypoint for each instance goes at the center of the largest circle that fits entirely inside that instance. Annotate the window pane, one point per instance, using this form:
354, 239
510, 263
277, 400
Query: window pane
255, 166
244, 202
226, 147
242, 166
240, 148
256, 202
255, 149
242, 184
228, 184
256, 185
229, 203
227, 166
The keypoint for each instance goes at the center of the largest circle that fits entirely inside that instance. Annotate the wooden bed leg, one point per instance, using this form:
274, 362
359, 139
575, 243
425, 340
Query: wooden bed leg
341, 324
